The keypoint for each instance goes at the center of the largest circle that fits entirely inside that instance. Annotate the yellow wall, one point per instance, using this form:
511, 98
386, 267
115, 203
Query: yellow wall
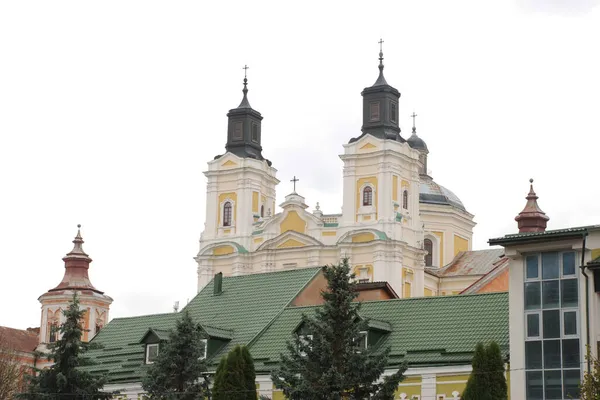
222, 250
411, 386
222, 198
258, 240
254, 202
595, 253
328, 233
229, 163
363, 237
460, 244
428, 292
291, 243
394, 188
448, 384
407, 290
368, 146
293, 222
440, 235
369, 268
359, 183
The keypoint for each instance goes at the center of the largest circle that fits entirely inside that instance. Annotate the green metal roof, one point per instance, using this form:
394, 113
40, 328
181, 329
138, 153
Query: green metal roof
541, 236
247, 304
425, 331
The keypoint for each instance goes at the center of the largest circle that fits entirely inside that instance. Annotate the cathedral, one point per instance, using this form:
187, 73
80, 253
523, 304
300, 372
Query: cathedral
397, 224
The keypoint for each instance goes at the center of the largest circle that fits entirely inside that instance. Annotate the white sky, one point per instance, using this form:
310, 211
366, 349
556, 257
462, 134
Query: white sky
109, 112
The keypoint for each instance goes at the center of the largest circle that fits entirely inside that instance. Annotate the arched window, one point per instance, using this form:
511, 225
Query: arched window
429, 255
405, 199
262, 211
53, 332
227, 214
368, 196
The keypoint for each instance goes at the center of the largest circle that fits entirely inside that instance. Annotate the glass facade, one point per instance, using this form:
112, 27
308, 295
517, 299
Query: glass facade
552, 342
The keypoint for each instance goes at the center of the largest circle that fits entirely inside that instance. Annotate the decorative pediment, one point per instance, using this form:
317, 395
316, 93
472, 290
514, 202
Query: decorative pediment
222, 249
289, 239
362, 236
367, 146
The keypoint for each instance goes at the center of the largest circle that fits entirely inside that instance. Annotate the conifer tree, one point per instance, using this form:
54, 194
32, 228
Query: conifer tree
235, 378
495, 369
64, 380
326, 361
478, 385
590, 386
178, 372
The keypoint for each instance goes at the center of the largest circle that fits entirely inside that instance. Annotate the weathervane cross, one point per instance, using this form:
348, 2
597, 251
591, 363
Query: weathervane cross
245, 70
294, 181
380, 45
413, 117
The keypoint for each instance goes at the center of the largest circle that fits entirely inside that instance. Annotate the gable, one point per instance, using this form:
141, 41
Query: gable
292, 222
289, 239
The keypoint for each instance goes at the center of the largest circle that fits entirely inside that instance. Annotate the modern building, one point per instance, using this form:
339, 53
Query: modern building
554, 305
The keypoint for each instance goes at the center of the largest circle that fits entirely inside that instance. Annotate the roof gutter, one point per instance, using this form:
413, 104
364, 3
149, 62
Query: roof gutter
587, 297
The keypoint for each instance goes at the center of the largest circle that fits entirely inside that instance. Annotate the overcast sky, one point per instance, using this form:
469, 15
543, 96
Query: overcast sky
109, 112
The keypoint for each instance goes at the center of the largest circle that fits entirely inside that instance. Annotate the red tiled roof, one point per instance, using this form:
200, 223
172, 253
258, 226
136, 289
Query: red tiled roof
19, 339
477, 262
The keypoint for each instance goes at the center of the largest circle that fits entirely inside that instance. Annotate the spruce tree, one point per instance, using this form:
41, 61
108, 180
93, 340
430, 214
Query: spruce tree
495, 367
326, 363
478, 384
235, 378
64, 380
179, 370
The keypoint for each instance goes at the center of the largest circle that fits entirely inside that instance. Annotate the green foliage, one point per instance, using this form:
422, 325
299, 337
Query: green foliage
178, 372
487, 380
63, 380
324, 362
235, 378
590, 386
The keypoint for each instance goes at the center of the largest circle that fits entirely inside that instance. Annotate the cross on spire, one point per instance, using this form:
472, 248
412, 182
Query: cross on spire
380, 45
294, 181
245, 68
413, 115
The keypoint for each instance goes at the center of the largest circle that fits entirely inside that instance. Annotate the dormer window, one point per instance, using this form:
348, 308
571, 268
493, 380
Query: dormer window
305, 340
368, 196
204, 349
362, 341
227, 214
374, 112
151, 353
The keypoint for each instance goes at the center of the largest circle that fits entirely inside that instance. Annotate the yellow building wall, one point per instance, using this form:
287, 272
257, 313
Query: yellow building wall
363, 237
440, 236
448, 384
595, 253
460, 244
293, 222
428, 292
372, 180
407, 290
222, 197
328, 233
291, 243
395, 188
222, 250
410, 386
254, 202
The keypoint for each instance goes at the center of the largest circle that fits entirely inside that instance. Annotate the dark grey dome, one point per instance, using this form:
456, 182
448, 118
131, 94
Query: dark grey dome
432, 193
416, 142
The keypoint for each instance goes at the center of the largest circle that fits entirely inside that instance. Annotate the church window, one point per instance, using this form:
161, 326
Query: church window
429, 255
405, 199
151, 353
227, 214
238, 130
262, 211
255, 133
374, 112
393, 112
368, 196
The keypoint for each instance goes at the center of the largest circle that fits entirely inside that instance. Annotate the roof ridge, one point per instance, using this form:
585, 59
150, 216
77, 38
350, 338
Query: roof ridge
146, 315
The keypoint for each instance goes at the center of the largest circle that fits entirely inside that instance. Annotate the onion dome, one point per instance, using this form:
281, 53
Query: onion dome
416, 142
77, 264
532, 218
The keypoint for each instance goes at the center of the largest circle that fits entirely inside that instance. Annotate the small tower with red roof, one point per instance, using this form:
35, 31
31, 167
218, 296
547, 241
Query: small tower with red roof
532, 218
76, 280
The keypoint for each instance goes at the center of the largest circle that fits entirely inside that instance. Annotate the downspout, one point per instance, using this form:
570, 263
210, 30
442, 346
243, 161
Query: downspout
587, 298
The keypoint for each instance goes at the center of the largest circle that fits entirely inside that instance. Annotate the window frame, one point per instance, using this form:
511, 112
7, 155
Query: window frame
205, 342
405, 199
227, 214
367, 189
393, 111
429, 253
372, 116
235, 130
148, 347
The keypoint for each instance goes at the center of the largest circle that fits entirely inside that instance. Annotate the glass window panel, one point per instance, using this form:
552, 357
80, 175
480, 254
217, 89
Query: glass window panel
571, 380
533, 355
534, 385
551, 324
569, 263
553, 385
532, 267
533, 325
570, 323
571, 357
569, 292
532, 295
551, 354
550, 294
550, 266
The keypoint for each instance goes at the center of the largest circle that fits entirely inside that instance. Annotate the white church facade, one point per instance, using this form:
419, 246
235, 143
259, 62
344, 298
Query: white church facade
396, 223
